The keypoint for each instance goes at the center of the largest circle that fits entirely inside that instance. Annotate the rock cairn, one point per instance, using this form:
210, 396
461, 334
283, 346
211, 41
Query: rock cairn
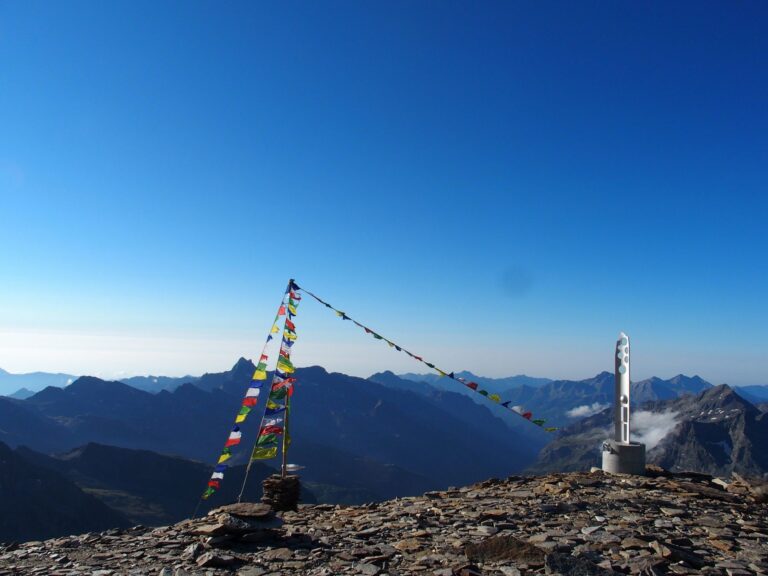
280, 493
577, 523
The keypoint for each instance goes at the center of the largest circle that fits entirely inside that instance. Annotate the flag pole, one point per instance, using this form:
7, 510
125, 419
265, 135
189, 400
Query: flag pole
284, 467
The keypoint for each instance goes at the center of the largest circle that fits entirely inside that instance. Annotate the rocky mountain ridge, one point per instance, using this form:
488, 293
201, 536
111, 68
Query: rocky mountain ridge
716, 432
575, 523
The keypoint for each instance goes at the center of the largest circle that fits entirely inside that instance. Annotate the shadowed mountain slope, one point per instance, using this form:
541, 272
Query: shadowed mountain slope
36, 503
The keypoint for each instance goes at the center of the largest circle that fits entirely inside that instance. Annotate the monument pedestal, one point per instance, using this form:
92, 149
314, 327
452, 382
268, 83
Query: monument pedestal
619, 458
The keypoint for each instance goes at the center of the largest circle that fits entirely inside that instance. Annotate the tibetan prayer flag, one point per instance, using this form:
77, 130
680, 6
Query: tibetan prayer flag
472, 385
244, 411
441, 372
225, 455
550, 429
292, 309
250, 401
281, 312
260, 375
217, 476
538, 422
495, 397
253, 392
264, 452
285, 365
483, 392
234, 437
271, 430
266, 439
527, 415
290, 325
278, 393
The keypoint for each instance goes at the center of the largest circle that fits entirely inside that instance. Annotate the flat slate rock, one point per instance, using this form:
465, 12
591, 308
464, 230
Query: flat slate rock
244, 510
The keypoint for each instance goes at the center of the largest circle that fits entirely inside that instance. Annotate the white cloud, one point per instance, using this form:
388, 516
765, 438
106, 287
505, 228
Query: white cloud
650, 428
586, 410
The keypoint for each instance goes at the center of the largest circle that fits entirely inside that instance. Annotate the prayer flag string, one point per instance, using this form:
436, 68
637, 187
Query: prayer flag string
495, 398
273, 422
251, 398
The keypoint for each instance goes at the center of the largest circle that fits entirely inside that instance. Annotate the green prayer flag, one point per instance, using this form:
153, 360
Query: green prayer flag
266, 439
264, 453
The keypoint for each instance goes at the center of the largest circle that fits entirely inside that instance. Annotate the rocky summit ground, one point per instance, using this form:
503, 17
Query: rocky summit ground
576, 523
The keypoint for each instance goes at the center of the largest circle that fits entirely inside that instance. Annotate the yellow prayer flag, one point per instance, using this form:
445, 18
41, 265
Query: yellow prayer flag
494, 397
260, 375
275, 329
224, 458
287, 368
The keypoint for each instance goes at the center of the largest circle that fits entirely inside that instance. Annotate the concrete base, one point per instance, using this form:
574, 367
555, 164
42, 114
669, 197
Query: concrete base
621, 458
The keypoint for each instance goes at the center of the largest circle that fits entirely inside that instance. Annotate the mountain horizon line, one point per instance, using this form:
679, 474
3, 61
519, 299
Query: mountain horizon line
426, 377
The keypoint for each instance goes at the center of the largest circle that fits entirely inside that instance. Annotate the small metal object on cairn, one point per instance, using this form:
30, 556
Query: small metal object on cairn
282, 493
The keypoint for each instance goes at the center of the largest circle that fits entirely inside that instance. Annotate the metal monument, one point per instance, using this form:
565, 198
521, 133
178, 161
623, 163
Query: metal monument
620, 454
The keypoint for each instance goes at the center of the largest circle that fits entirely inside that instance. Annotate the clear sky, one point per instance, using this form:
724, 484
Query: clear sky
501, 187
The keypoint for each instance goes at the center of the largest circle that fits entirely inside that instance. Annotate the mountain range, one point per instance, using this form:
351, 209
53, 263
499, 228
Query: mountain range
716, 432
359, 440
33, 381
562, 402
124, 455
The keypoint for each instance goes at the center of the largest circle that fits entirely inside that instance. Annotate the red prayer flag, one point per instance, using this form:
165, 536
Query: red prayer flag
271, 430
472, 385
250, 401
528, 415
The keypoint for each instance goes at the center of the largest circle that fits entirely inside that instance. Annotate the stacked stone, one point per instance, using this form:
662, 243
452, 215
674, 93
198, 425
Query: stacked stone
282, 494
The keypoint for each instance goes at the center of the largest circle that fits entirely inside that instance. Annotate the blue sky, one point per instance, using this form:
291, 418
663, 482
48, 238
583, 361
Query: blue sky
502, 187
